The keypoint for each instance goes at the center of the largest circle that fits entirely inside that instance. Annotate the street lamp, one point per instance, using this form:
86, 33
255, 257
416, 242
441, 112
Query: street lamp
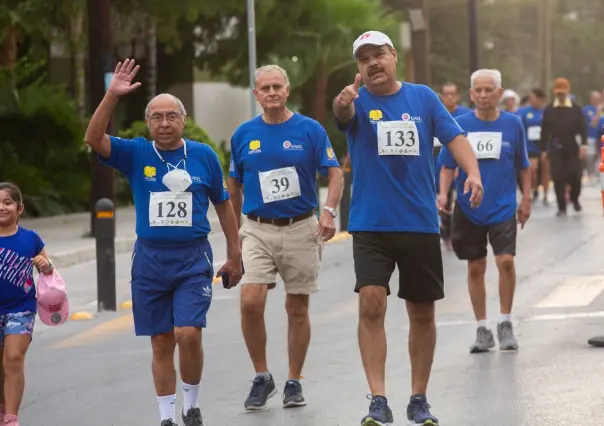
251, 41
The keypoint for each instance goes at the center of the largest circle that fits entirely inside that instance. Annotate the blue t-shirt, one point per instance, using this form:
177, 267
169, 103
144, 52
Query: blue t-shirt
278, 163
396, 193
458, 112
590, 112
139, 163
498, 176
531, 118
17, 290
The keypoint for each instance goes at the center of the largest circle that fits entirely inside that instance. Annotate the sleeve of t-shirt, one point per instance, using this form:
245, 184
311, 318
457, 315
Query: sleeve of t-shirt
445, 127
446, 159
522, 160
324, 153
38, 243
235, 169
218, 190
122, 153
600, 129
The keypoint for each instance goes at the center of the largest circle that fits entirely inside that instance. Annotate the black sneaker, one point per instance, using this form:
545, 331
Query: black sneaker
168, 422
262, 390
577, 206
292, 394
192, 418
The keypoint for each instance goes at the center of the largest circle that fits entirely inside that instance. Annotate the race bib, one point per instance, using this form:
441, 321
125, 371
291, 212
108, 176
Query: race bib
279, 184
534, 133
397, 138
437, 143
171, 209
486, 145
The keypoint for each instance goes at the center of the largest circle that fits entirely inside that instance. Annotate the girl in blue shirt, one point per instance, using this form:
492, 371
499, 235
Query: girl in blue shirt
20, 250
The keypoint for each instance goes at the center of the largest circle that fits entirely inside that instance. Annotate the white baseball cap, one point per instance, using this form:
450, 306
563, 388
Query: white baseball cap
375, 38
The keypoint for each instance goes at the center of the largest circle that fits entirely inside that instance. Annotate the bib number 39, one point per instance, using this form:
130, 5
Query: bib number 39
486, 145
279, 184
397, 138
171, 209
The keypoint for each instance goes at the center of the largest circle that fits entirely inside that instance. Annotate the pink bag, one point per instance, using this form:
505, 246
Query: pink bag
53, 304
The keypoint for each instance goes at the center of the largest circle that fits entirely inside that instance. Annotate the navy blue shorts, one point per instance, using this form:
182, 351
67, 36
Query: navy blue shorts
171, 286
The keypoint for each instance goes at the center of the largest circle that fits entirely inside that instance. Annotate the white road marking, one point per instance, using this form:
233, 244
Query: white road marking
575, 292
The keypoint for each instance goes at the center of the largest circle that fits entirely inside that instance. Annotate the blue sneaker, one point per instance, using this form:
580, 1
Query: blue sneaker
418, 412
379, 412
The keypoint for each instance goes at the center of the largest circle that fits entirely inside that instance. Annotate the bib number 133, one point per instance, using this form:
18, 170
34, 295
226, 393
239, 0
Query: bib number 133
397, 138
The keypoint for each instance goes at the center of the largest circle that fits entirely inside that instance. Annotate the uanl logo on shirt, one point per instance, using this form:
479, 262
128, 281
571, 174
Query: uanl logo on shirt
196, 179
408, 117
375, 115
150, 172
287, 145
255, 147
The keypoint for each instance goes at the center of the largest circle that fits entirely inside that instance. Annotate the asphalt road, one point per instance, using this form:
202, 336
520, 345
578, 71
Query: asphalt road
97, 373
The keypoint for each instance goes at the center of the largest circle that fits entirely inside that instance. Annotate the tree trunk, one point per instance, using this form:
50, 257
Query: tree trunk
151, 55
78, 68
8, 53
317, 105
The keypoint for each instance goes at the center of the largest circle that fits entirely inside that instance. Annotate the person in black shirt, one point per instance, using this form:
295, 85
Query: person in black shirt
563, 130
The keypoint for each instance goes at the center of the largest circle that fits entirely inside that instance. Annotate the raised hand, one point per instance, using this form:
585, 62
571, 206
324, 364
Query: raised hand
351, 92
121, 82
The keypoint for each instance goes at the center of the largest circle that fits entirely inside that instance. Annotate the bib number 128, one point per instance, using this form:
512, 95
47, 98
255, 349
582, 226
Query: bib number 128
172, 209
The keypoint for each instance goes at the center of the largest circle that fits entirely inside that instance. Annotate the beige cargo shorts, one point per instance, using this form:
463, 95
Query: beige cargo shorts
293, 251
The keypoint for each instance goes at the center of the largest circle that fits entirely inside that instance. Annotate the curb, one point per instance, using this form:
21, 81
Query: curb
71, 258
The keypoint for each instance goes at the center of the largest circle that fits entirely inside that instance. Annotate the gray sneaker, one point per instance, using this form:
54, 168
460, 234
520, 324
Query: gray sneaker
505, 335
168, 422
192, 418
484, 341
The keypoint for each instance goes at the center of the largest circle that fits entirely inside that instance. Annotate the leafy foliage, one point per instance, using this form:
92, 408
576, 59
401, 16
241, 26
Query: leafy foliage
42, 144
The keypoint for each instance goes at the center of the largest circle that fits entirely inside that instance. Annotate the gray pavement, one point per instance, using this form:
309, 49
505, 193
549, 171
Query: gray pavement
97, 373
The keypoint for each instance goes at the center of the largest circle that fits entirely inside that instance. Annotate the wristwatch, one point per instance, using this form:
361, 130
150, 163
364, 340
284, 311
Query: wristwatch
332, 212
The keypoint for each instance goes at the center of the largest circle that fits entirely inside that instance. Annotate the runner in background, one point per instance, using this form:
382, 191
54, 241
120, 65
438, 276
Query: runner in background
510, 101
499, 140
593, 112
450, 98
531, 118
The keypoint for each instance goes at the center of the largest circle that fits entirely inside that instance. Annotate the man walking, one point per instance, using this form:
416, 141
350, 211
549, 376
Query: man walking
274, 161
173, 181
564, 143
390, 128
499, 140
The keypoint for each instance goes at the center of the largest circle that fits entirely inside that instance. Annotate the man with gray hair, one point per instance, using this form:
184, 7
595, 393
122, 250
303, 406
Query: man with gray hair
274, 161
499, 141
173, 181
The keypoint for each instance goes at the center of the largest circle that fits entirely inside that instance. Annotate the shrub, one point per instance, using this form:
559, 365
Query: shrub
42, 146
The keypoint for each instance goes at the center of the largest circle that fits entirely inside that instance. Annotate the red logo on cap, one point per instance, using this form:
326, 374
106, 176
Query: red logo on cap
366, 35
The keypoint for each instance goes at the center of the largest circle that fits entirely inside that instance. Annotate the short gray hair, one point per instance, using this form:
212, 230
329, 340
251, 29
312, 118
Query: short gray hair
494, 75
269, 68
178, 102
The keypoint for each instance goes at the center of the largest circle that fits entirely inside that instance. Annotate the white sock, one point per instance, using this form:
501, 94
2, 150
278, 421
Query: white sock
266, 375
505, 317
483, 323
191, 396
167, 407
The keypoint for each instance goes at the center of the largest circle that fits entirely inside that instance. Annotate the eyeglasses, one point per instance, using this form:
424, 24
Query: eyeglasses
171, 117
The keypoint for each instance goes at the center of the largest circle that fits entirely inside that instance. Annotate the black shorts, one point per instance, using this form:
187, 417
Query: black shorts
417, 256
469, 240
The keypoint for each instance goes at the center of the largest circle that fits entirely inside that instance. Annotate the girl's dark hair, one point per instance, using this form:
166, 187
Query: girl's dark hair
539, 93
13, 190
